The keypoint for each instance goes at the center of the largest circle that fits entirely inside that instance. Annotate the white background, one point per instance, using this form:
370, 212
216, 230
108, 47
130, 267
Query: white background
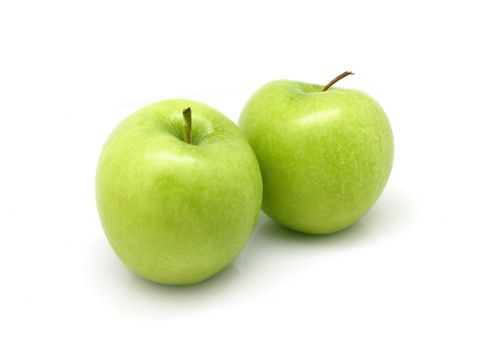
404, 277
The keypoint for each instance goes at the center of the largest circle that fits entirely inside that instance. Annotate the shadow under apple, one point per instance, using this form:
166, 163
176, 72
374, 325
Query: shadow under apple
224, 277
271, 248
273, 231
272, 244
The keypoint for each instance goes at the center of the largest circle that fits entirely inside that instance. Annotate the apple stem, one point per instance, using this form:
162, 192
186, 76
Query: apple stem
336, 79
188, 136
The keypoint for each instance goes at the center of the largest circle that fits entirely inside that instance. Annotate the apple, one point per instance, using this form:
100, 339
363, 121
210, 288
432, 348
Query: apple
178, 191
325, 153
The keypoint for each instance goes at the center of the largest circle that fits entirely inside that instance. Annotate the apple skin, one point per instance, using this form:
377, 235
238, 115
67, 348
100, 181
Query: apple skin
325, 157
177, 213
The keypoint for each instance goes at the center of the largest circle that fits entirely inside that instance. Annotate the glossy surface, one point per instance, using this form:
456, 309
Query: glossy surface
174, 212
325, 157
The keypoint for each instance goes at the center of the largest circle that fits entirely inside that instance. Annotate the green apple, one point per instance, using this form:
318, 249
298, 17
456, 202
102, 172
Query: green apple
178, 200
325, 153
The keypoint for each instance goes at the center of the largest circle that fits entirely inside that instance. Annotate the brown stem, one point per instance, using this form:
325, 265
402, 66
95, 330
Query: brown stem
336, 79
188, 137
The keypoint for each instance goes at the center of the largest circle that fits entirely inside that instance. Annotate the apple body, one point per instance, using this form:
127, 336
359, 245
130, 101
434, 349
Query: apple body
174, 212
325, 157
